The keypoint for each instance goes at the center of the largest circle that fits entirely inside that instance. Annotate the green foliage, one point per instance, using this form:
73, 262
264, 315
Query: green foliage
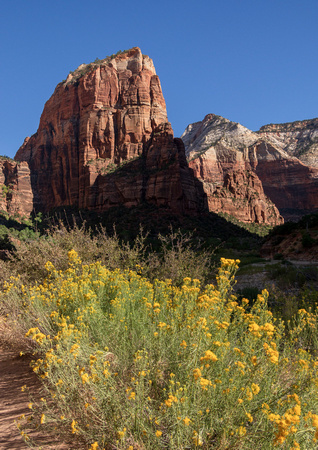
78, 73
175, 257
306, 240
6, 191
6, 158
307, 222
255, 228
250, 292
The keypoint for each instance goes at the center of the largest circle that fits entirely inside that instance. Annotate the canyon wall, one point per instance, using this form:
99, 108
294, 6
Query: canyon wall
104, 140
217, 152
265, 175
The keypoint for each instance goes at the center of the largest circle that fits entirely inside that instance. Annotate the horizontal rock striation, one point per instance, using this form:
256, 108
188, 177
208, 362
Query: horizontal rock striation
104, 140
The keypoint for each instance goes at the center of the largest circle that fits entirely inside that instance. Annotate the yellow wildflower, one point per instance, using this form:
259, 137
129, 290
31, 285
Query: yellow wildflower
197, 439
196, 373
85, 378
170, 400
73, 426
121, 434
255, 388
209, 356
186, 421
271, 353
205, 383
241, 431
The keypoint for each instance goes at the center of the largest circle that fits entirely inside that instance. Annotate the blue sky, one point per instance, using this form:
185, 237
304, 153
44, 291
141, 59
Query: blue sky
251, 61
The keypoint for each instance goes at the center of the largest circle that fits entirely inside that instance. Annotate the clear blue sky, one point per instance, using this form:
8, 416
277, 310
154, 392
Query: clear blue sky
251, 61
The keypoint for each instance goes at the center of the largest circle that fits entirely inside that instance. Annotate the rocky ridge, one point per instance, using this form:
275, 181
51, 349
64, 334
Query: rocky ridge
298, 139
219, 149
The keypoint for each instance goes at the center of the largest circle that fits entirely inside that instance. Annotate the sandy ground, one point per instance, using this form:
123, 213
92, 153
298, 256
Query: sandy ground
15, 372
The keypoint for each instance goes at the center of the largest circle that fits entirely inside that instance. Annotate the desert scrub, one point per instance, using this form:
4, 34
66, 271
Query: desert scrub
131, 364
175, 255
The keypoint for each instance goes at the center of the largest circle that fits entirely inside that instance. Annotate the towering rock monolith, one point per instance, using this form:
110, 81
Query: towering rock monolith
104, 140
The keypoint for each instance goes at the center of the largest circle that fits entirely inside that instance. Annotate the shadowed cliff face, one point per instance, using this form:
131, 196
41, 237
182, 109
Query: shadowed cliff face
263, 173
105, 116
289, 183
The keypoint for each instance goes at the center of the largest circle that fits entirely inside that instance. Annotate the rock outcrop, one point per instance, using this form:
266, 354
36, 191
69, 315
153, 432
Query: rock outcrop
298, 139
16, 195
217, 150
104, 140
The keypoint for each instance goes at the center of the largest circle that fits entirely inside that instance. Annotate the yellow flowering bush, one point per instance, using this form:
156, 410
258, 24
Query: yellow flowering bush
133, 364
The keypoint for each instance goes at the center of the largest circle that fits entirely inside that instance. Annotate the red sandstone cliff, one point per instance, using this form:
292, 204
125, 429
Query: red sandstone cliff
104, 140
290, 184
261, 163
217, 152
16, 195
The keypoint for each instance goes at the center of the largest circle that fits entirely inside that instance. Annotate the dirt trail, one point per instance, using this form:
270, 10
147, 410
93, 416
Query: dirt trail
15, 372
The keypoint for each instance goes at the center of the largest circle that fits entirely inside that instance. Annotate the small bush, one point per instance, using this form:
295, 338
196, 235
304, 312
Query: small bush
306, 240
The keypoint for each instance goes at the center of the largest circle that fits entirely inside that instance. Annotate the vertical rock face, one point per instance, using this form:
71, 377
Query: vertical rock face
16, 195
218, 153
290, 184
98, 137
